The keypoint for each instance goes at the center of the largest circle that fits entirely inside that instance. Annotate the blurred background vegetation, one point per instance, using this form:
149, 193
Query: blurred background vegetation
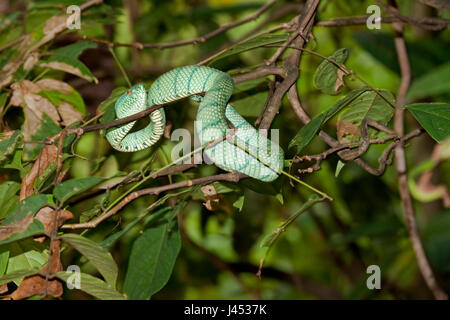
325, 252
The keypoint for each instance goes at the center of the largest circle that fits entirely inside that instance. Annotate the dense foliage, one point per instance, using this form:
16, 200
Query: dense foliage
349, 102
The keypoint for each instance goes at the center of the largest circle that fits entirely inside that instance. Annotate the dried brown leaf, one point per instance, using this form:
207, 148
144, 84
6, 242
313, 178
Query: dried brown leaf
19, 91
211, 196
67, 68
54, 25
6, 76
25, 92
346, 128
31, 61
47, 215
68, 114
15, 227
52, 84
3, 288
40, 105
46, 157
35, 285
31, 125
5, 79
339, 80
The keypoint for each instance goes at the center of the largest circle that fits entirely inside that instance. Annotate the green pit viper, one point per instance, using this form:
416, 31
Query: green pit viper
251, 153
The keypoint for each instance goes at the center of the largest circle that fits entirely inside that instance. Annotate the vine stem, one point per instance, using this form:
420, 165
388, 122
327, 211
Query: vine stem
120, 66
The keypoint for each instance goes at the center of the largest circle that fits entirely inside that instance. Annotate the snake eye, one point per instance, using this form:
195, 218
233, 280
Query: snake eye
128, 91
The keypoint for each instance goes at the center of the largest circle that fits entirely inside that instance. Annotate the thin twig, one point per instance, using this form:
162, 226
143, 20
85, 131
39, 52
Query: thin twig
130, 194
394, 11
231, 177
303, 116
213, 33
400, 162
437, 23
305, 24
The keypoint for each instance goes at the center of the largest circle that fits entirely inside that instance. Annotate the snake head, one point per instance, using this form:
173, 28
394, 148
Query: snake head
134, 100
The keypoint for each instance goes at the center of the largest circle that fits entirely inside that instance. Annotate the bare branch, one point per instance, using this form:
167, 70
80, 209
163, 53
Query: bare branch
400, 161
434, 23
231, 177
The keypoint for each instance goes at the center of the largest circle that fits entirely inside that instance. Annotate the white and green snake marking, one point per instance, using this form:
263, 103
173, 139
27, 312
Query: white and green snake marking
212, 114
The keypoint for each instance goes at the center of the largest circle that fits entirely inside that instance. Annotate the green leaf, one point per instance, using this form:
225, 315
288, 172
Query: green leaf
8, 146
25, 255
69, 188
280, 198
239, 203
152, 259
328, 78
256, 42
432, 84
66, 59
16, 163
74, 50
98, 256
69, 65
369, 105
344, 102
111, 100
8, 197
3, 98
28, 206
339, 167
48, 129
433, 117
4, 256
224, 187
35, 228
116, 236
93, 286
58, 97
307, 133
250, 106
17, 275
107, 106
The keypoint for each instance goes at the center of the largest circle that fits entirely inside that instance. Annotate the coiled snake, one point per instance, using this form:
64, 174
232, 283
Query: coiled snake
251, 153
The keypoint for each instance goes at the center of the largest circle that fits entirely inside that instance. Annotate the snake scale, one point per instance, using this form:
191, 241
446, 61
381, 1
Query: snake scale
251, 153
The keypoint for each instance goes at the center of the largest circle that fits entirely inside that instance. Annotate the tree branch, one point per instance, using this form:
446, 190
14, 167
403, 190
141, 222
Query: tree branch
400, 162
231, 177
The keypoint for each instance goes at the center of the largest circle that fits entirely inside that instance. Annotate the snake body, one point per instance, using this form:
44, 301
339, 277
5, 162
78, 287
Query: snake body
252, 153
